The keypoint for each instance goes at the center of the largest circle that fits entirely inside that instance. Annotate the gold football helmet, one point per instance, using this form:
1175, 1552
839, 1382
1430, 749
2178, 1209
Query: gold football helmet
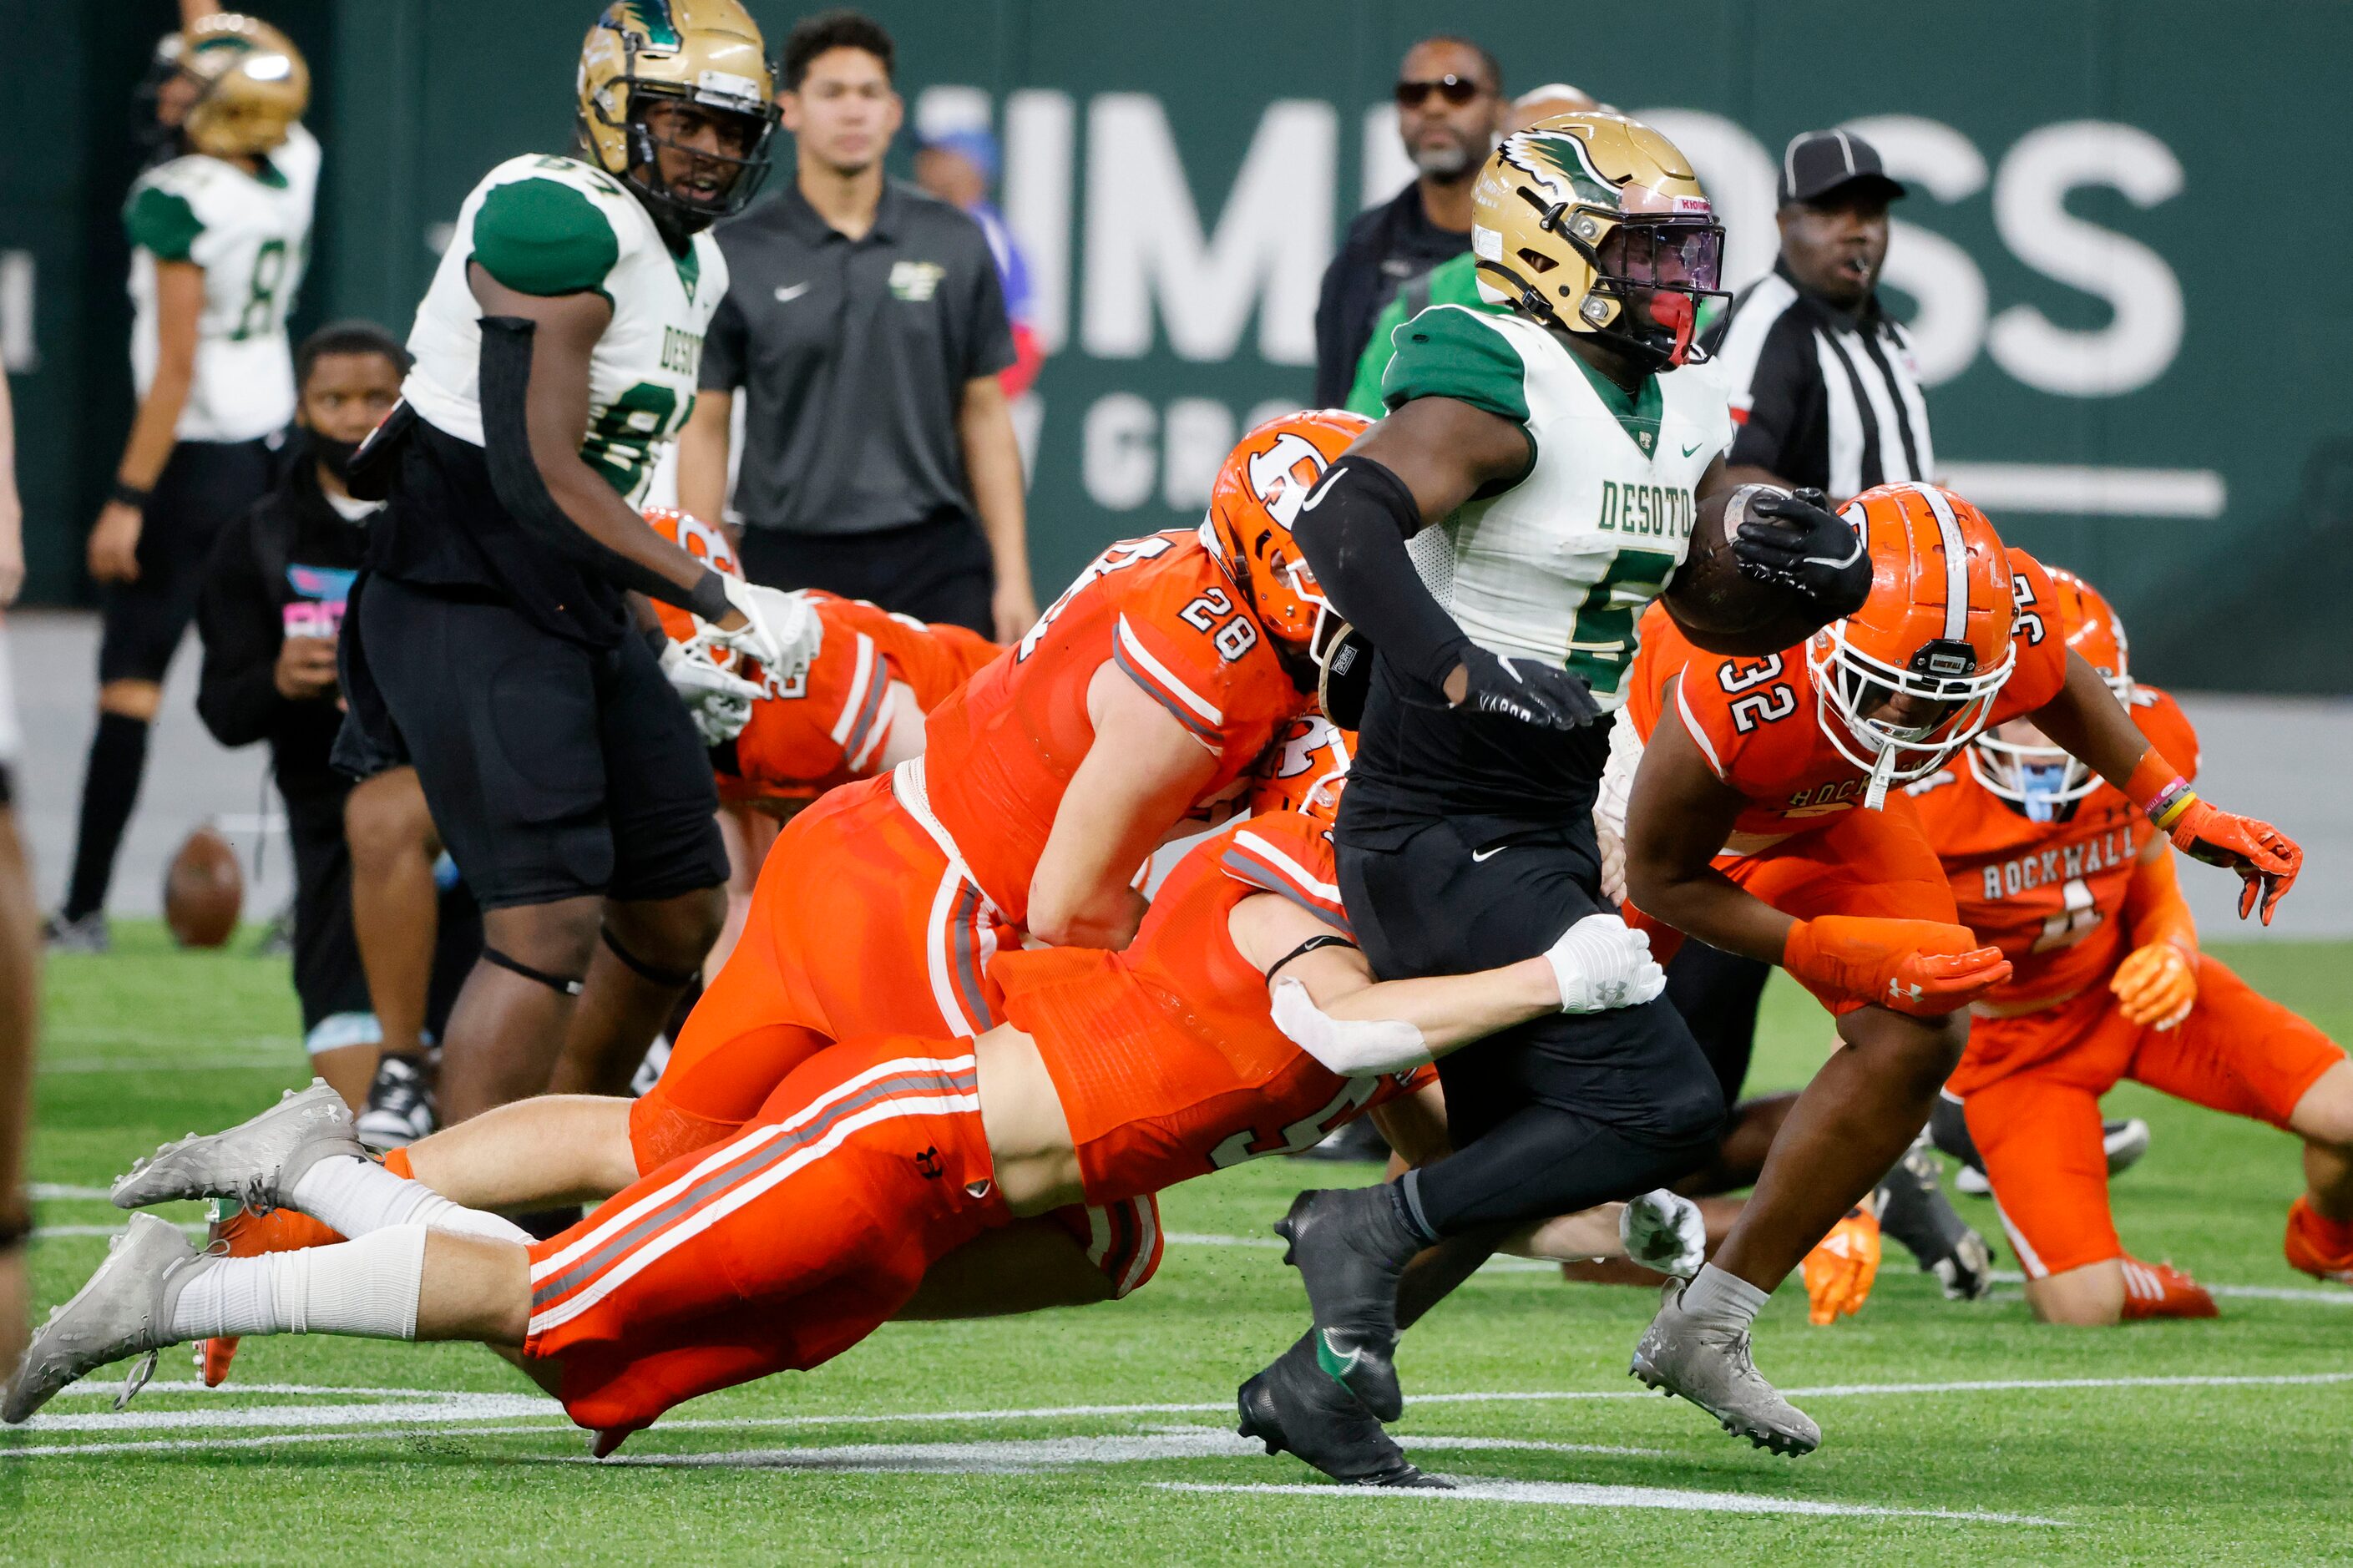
1594, 223
252, 84
705, 53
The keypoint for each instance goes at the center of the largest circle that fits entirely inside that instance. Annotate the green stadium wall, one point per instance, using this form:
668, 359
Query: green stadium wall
2121, 255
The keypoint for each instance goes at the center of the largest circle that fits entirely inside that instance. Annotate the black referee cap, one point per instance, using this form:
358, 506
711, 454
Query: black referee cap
1817, 163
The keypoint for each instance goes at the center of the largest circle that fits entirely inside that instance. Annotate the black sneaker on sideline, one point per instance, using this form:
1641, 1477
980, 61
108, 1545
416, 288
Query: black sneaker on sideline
399, 1105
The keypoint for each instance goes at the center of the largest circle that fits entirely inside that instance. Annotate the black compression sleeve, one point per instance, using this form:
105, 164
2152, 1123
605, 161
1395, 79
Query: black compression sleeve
1352, 530
505, 384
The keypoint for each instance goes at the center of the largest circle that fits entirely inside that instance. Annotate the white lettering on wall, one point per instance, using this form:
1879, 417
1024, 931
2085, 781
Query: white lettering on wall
1040, 131
1144, 242
1932, 158
1197, 434
2030, 195
18, 351
1384, 168
1737, 175
1116, 458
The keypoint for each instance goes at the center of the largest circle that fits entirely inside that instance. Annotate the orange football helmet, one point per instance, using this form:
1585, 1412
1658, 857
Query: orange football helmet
707, 542
1251, 508
1303, 769
2037, 778
1911, 678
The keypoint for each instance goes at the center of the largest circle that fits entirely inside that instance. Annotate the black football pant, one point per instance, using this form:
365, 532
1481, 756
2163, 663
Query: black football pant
1558, 1114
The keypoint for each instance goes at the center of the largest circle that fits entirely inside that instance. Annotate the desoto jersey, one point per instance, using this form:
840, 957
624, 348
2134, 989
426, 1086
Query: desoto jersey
1559, 565
999, 752
551, 226
1166, 1057
1758, 722
832, 725
251, 235
2049, 894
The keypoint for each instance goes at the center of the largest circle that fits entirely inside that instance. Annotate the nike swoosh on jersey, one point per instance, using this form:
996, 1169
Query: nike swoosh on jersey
1687, 450
1481, 857
788, 293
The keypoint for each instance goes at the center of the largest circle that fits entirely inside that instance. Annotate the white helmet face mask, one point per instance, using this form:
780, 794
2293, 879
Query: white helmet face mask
1850, 685
2037, 780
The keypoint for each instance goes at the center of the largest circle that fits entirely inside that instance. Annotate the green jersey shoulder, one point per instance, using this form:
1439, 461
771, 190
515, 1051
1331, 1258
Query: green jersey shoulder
1560, 565
250, 234
549, 225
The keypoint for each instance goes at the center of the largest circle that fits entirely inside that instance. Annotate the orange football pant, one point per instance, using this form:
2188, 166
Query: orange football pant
2038, 1128
859, 924
777, 1249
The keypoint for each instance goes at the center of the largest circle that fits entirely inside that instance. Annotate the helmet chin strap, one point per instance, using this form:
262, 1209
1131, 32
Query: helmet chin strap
1882, 771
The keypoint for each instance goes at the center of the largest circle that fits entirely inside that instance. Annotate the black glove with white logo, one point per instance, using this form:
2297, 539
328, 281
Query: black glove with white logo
1526, 690
1798, 542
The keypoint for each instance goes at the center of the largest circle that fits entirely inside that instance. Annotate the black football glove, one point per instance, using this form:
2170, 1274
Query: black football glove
1796, 542
1527, 690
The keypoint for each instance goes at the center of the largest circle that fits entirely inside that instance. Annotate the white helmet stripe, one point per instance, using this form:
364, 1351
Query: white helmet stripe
1957, 563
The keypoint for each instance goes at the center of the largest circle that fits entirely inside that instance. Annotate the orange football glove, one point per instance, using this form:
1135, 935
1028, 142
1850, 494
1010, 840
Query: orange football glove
2266, 859
1924, 968
2156, 985
1841, 1266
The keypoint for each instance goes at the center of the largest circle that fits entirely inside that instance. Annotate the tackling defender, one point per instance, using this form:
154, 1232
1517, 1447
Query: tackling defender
2050, 862
1560, 459
1760, 821
1241, 1023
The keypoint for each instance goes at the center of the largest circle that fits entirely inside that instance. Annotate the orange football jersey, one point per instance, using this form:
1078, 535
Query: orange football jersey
1756, 720
1166, 1057
833, 724
2049, 894
1000, 751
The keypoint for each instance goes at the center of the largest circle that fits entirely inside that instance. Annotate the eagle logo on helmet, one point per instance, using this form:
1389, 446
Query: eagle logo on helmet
252, 84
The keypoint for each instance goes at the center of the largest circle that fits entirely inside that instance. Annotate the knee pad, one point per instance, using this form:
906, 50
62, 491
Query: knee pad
570, 987
672, 978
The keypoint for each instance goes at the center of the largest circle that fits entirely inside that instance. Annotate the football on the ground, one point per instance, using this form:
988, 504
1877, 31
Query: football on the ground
203, 890
1722, 608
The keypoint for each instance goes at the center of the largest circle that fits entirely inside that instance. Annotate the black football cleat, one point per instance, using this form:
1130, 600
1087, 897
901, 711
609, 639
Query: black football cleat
1350, 1249
1294, 1408
1914, 1211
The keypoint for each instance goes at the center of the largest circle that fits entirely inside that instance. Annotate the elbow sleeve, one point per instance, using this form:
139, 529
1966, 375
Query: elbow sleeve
521, 489
1352, 530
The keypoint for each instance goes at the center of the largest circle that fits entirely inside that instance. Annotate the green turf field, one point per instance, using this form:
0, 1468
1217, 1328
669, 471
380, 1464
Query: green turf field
1953, 1433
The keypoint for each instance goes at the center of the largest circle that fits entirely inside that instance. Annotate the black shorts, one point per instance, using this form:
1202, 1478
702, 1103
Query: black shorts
938, 570
1717, 994
330, 981
1464, 894
205, 486
552, 769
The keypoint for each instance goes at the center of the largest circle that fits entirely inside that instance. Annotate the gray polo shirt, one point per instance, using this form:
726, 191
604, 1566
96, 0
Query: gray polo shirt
852, 357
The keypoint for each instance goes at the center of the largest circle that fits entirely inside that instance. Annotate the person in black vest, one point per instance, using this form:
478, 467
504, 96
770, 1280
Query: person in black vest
269, 612
1450, 111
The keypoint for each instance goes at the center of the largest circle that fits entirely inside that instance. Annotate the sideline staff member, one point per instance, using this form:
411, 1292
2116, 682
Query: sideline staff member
1451, 111
867, 327
1825, 394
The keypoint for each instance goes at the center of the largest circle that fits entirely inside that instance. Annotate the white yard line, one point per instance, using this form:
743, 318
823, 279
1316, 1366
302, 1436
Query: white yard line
2333, 1295
61, 1232
50, 1191
1019, 1455
1579, 1494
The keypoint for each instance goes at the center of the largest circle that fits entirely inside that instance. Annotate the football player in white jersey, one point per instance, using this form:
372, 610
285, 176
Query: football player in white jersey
20, 953
218, 234
490, 638
1559, 452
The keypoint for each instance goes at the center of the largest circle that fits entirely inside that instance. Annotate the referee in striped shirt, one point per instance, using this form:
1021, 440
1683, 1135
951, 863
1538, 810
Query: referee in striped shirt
1824, 396
1824, 391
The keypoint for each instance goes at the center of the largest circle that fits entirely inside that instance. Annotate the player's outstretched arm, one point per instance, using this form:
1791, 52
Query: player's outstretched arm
2087, 719
1421, 462
1142, 772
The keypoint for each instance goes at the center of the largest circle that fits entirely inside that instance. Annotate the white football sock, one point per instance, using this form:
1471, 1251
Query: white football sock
1722, 1300
367, 1288
359, 1197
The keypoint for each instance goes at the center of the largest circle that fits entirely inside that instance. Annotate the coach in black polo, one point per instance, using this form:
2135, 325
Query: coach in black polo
864, 324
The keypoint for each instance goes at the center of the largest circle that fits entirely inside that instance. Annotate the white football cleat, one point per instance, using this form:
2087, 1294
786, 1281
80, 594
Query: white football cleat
124, 1309
257, 1162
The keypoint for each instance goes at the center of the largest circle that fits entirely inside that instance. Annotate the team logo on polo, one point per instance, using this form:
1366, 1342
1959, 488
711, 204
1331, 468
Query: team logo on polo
916, 280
